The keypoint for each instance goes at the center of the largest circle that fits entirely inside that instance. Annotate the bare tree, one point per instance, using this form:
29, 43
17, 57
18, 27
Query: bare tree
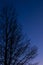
13, 50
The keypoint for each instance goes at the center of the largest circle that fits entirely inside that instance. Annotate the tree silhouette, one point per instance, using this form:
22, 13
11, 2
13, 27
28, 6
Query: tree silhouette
13, 50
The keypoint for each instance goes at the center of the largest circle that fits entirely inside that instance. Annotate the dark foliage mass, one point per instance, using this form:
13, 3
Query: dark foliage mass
13, 50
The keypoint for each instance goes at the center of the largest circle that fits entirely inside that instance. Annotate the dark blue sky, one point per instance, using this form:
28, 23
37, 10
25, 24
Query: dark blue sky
30, 15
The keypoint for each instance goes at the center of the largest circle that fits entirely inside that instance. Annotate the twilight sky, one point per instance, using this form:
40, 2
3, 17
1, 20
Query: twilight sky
30, 15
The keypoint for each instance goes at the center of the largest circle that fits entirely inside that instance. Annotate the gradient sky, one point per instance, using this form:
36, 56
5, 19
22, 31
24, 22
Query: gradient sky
30, 15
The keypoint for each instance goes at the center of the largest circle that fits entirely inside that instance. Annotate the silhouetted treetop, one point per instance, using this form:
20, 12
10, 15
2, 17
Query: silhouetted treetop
13, 50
